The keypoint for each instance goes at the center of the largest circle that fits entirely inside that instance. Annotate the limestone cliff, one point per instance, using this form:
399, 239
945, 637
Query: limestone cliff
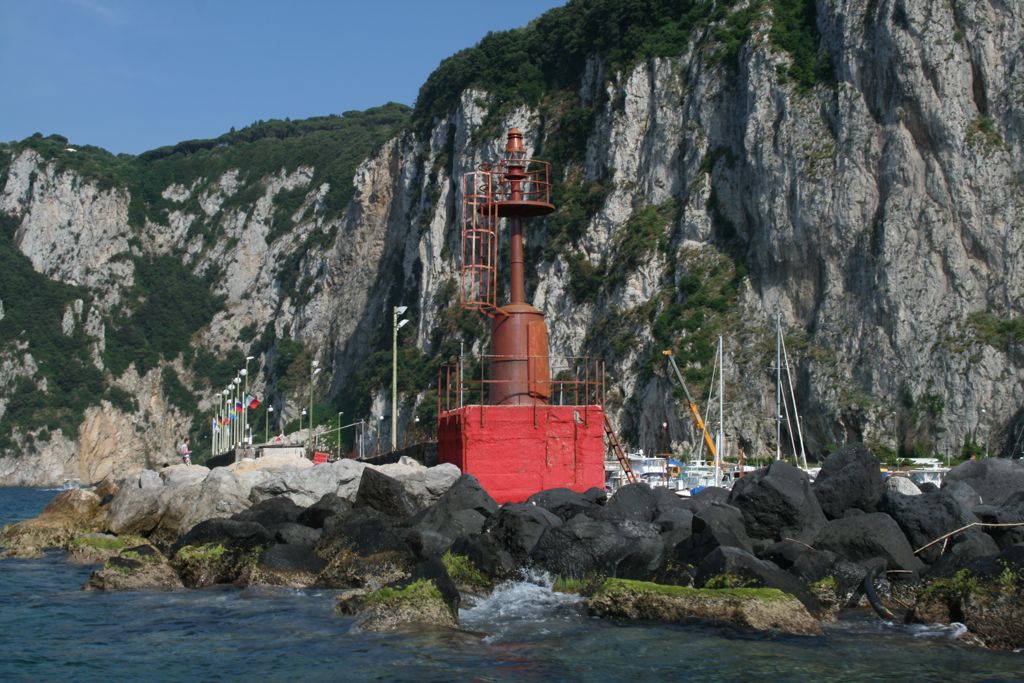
876, 206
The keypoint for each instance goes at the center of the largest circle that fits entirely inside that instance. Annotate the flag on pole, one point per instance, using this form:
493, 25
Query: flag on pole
252, 402
238, 406
216, 425
233, 416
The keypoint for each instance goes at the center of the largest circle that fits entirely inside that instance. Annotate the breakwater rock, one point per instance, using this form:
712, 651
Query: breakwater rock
952, 554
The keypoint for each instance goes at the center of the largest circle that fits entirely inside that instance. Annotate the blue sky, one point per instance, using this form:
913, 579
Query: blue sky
131, 75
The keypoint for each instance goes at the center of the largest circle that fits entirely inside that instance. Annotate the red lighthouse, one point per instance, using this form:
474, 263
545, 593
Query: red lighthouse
508, 423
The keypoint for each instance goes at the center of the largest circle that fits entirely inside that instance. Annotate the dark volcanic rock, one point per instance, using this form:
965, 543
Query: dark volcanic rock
384, 494
994, 479
963, 549
518, 527
635, 502
736, 568
777, 502
291, 564
228, 532
849, 478
926, 517
271, 512
584, 546
1010, 512
296, 534
330, 505
715, 526
487, 555
706, 498
564, 503
868, 536
463, 510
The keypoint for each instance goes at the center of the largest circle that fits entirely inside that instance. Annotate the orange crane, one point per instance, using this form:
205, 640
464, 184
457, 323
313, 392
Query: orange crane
692, 405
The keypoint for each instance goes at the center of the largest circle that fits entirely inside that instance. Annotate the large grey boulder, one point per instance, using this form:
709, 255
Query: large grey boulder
777, 502
135, 510
902, 485
148, 479
183, 475
994, 479
849, 478
306, 486
423, 484
218, 495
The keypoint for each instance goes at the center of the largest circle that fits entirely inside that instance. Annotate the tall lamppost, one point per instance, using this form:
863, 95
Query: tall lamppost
380, 423
301, 418
238, 389
226, 436
245, 397
266, 430
979, 431
396, 325
313, 370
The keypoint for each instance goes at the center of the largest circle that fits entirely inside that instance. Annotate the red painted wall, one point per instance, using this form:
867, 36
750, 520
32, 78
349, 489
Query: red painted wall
516, 451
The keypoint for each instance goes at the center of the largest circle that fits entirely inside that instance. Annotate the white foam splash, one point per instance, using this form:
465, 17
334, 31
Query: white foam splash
951, 631
526, 602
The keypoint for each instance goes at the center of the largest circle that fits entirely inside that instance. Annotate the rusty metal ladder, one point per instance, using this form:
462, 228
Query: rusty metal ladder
616, 447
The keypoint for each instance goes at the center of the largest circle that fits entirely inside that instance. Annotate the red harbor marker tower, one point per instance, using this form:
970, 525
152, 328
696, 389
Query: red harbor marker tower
504, 418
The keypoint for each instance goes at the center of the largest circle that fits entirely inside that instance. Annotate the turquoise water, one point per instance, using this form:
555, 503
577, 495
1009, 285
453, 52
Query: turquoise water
50, 630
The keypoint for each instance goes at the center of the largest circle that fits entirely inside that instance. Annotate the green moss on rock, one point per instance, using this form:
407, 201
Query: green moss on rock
761, 609
464, 573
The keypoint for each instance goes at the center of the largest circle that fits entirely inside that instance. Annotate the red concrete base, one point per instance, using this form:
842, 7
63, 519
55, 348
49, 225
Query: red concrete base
516, 451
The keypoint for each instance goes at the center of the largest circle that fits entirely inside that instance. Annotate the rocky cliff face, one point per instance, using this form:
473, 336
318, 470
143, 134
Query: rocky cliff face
878, 212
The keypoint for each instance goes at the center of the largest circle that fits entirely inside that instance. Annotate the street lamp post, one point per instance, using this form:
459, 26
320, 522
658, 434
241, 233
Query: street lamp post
313, 370
380, 423
979, 431
225, 435
396, 325
234, 407
301, 418
245, 398
266, 430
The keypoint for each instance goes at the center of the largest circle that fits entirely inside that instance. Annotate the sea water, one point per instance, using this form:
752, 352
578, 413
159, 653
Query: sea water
50, 630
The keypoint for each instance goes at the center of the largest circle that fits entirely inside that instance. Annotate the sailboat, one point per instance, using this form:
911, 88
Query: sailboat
783, 403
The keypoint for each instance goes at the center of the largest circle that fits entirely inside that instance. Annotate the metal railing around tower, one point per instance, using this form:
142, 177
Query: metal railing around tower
575, 381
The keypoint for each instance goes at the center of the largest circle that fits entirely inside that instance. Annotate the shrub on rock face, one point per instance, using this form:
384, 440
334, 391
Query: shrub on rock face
850, 478
985, 597
777, 502
760, 609
866, 537
994, 479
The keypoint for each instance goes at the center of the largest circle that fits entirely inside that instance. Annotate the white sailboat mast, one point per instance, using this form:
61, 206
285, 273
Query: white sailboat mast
778, 386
